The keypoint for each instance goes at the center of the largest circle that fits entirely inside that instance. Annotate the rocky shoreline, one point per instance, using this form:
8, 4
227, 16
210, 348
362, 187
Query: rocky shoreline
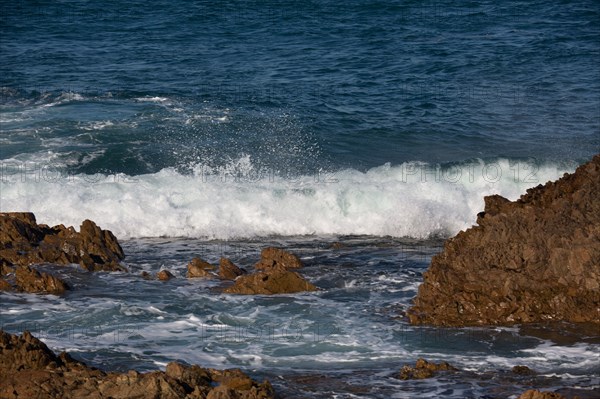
536, 259
28, 369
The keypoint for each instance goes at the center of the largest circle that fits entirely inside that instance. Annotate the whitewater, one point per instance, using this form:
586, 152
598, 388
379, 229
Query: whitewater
414, 199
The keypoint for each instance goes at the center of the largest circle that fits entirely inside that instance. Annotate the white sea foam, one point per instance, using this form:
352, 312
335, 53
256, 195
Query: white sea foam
413, 200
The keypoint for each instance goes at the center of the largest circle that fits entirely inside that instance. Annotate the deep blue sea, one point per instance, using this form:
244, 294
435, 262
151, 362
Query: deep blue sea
197, 128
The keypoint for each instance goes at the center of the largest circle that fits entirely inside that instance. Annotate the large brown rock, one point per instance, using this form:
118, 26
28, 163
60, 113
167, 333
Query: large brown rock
276, 257
273, 281
28, 369
535, 259
24, 242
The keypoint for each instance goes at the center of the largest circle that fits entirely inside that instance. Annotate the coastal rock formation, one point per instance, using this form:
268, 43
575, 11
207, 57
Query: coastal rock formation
271, 257
198, 268
272, 275
535, 259
24, 242
28, 369
423, 369
228, 270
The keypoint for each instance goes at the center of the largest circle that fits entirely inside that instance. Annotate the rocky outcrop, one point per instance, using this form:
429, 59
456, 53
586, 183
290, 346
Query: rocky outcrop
198, 268
28, 369
531, 260
423, 369
271, 257
228, 270
24, 242
272, 276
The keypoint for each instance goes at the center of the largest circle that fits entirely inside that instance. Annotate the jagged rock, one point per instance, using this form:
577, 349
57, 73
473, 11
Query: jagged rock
229, 271
274, 281
31, 280
145, 275
276, 257
536, 259
535, 394
28, 369
200, 268
164, 275
24, 242
423, 369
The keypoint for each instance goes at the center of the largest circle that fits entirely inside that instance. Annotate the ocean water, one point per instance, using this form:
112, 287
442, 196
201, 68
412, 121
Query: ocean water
218, 128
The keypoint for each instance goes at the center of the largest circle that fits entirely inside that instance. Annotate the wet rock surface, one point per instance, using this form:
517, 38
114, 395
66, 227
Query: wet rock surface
28, 369
24, 242
536, 259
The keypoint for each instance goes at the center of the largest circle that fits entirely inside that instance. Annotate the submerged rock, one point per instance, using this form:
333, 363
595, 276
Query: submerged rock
275, 281
198, 268
145, 275
24, 242
28, 369
423, 369
522, 370
532, 260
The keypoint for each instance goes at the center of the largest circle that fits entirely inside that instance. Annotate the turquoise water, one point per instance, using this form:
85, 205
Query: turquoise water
217, 128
